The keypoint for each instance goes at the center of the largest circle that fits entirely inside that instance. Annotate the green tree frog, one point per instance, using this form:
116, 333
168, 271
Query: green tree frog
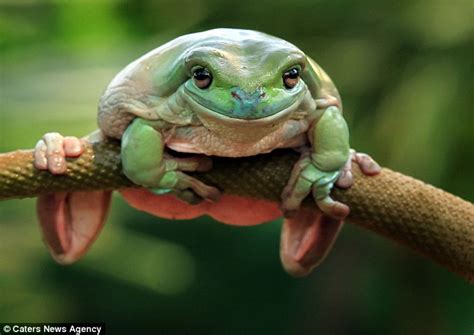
222, 92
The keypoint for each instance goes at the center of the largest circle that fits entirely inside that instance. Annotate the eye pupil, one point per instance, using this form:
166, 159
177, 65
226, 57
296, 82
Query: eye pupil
201, 74
293, 74
202, 78
290, 78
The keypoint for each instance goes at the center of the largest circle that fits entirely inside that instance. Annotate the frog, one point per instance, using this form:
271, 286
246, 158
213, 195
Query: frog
222, 92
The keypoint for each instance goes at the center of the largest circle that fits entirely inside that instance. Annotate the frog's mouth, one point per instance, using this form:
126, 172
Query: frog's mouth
253, 117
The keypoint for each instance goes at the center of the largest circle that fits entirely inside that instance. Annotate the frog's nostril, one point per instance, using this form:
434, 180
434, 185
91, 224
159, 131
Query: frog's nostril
235, 95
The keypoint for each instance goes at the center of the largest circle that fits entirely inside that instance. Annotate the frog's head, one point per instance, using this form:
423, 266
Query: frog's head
228, 78
245, 76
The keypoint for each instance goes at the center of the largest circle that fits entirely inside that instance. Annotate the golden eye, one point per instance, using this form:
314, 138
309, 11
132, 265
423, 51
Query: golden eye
202, 78
291, 77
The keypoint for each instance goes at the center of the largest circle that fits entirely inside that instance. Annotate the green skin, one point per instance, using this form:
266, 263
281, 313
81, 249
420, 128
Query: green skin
252, 70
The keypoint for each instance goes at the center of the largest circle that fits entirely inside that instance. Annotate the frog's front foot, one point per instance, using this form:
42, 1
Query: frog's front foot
184, 186
147, 163
306, 178
53, 149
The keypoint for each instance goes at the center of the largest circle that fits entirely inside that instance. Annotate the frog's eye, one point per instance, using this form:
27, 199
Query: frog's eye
291, 77
202, 78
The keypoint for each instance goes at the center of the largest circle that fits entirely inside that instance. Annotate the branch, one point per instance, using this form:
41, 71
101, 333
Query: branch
435, 223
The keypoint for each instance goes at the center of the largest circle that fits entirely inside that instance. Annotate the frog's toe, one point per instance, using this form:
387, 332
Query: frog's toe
202, 190
72, 146
332, 208
40, 160
298, 187
346, 178
366, 163
189, 164
294, 194
188, 196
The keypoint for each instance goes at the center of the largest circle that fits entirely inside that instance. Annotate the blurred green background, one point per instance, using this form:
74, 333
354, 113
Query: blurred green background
405, 72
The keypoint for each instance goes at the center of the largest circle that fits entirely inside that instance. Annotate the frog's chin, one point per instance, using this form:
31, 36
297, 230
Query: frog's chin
207, 115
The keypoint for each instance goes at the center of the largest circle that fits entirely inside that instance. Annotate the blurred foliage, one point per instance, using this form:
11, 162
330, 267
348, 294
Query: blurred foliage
405, 72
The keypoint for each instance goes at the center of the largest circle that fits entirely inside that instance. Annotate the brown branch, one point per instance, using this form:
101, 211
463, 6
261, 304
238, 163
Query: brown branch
433, 222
